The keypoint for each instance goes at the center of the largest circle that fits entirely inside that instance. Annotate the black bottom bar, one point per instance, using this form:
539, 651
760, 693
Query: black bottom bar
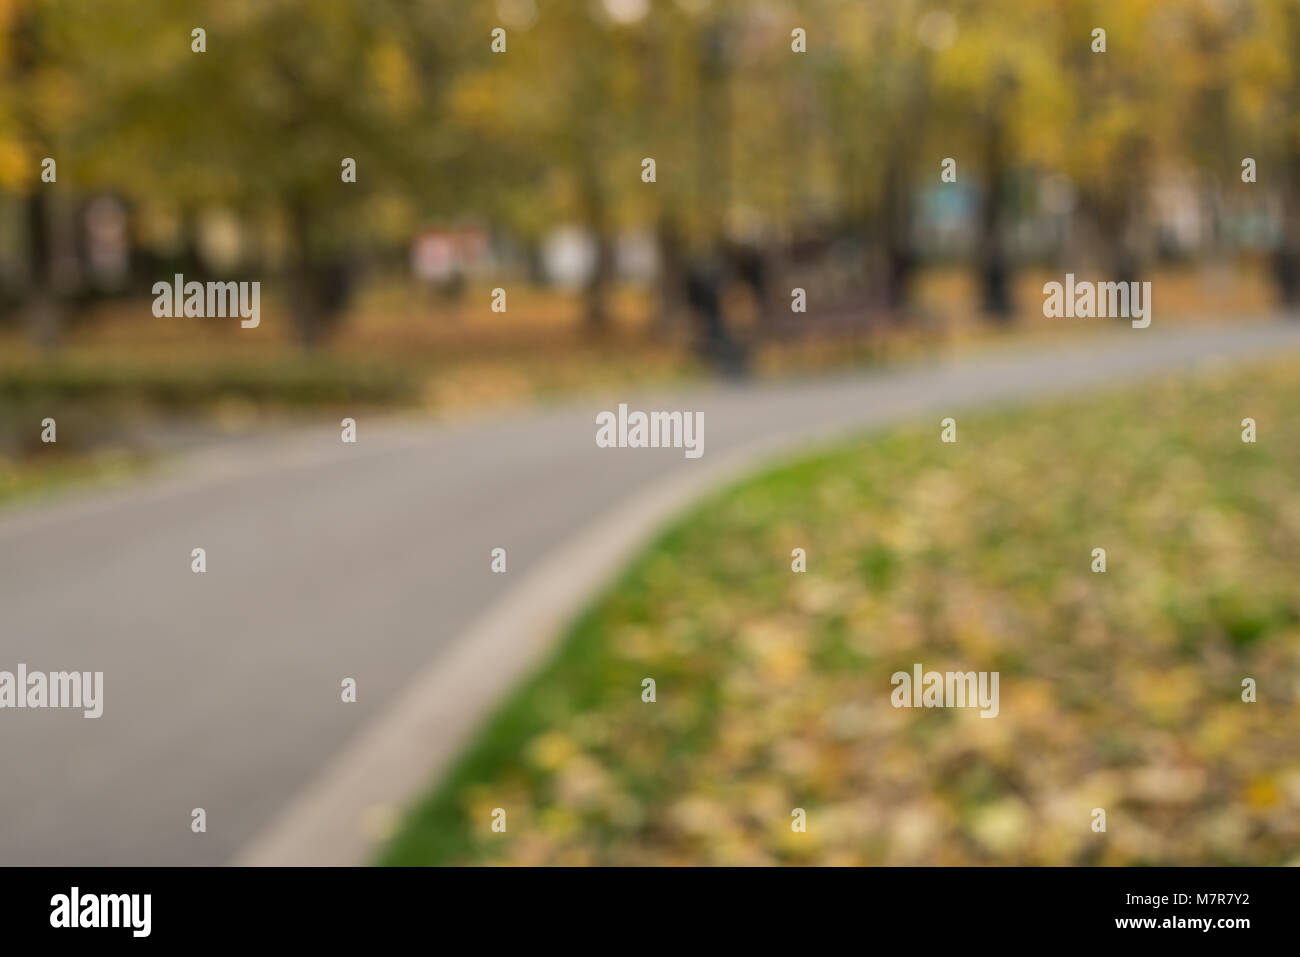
1225, 906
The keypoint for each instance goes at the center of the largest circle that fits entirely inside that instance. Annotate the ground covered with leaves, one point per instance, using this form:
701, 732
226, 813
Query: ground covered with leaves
1120, 691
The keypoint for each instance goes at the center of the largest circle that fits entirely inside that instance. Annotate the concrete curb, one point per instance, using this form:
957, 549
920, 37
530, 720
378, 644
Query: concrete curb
341, 817
346, 812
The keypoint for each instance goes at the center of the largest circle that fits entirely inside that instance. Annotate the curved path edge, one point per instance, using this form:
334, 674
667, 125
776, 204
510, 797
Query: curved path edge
341, 817
338, 819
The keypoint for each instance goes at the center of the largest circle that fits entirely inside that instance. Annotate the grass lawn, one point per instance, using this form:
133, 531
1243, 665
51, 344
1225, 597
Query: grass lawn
1120, 691
33, 478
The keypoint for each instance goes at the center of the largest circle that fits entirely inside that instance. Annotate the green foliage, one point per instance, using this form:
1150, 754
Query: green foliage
555, 128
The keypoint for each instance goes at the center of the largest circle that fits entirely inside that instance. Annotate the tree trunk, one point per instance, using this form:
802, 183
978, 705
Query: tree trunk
995, 270
671, 276
995, 273
896, 220
43, 315
319, 287
596, 293
1286, 259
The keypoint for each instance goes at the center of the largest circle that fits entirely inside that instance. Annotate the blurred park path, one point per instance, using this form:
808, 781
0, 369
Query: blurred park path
328, 561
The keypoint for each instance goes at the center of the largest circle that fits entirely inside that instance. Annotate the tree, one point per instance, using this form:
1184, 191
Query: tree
262, 121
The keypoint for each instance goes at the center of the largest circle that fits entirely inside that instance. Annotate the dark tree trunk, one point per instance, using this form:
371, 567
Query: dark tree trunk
995, 269
596, 305
597, 292
319, 287
43, 315
671, 276
1286, 258
896, 222
995, 272
1286, 273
